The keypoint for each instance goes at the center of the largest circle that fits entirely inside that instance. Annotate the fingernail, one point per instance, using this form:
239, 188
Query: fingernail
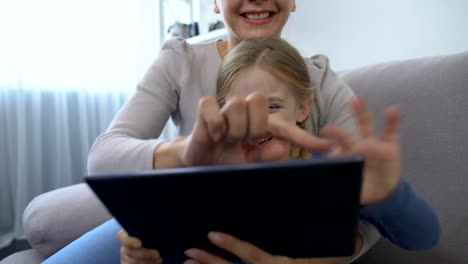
188, 252
215, 237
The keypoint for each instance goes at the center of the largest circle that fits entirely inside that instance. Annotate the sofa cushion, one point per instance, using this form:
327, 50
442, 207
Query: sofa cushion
46, 233
29, 256
433, 95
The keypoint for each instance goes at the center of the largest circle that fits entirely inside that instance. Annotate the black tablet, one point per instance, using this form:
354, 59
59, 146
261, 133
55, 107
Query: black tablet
299, 208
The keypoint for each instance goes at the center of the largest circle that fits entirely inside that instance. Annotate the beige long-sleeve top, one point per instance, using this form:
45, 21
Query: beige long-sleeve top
178, 78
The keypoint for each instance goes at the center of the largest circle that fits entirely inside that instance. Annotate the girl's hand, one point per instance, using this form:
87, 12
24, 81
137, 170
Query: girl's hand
132, 251
230, 134
382, 164
251, 254
244, 250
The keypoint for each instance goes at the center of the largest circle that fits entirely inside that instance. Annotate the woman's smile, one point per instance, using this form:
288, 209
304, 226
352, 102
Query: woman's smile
258, 17
254, 19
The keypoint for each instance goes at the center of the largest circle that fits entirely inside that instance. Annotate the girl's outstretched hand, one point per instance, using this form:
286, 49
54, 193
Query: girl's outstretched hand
232, 133
244, 250
132, 251
249, 253
382, 154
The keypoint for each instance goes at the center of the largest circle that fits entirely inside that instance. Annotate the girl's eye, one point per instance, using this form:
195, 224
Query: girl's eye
274, 108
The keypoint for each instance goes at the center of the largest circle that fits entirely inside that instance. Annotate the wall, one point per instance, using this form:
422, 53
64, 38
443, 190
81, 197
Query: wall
148, 37
360, 32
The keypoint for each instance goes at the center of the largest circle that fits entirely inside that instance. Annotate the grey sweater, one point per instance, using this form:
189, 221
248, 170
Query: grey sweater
179, 77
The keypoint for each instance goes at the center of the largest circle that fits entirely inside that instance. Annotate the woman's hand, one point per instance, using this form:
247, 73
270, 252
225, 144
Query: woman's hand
382, 165
251, 254
132, 251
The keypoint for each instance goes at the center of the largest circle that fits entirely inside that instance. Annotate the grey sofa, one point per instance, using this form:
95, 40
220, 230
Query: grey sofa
433, 94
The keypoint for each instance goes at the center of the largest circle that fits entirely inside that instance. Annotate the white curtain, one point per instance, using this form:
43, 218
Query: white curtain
66, 67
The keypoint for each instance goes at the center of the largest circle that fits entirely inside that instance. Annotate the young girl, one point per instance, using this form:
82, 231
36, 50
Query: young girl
270, 73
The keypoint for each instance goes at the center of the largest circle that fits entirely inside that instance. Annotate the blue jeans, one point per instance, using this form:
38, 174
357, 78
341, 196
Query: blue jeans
99, 245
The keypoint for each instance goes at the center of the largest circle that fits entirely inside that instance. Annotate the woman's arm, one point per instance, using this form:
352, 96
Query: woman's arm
333, 95
131, 139
405, 219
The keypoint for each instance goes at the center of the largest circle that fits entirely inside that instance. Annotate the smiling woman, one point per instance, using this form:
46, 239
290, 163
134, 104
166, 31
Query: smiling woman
64, 73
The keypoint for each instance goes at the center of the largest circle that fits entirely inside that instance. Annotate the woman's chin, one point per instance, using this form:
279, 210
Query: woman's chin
257, 33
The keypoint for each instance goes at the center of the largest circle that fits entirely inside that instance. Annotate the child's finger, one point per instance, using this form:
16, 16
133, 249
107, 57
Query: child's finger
283, 130
242, 249
142, 254
237, 119
392, 127
258, 117
201, 256
128, 241
210, 117
363, 117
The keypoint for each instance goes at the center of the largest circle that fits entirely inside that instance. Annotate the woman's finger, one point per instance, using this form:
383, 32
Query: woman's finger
201, 256
340, 135
237, 119
257, 108
244, 250
392, 128
363, 117
286, 131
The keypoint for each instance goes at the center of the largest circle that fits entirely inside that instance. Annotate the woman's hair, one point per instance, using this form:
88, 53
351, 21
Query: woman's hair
277, 57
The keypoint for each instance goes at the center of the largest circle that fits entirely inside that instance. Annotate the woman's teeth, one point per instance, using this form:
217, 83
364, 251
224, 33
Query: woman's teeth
257, 16
263, 140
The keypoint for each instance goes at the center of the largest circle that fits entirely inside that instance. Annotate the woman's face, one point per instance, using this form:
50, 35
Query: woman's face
282, 104
254, 19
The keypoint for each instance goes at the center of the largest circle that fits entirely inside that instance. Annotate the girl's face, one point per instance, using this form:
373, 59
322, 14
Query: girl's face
246, 19
282, 104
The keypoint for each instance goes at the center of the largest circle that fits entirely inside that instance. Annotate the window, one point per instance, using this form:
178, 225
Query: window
191, 19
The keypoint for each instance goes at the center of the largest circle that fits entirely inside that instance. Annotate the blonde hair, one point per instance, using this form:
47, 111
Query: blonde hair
277, 57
